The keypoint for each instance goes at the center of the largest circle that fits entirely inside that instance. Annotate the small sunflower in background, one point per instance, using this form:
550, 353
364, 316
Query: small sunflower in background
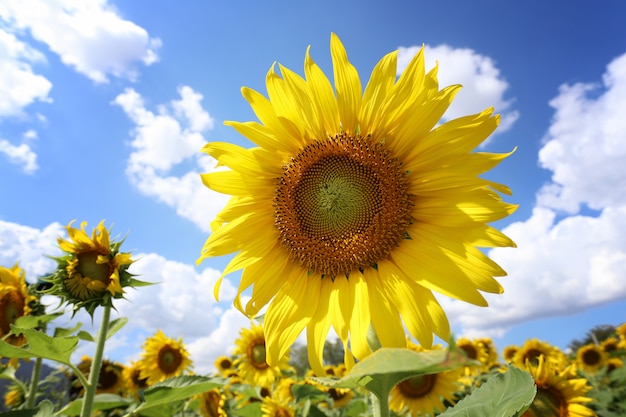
15, 301
224, 365
426, 394
162, 358
212, 403
474, 351
92, 271
271, 407
14, 397
532, 349
134, 383
558, 394
610, 344
110, 380
251, 358
508, 353
492, 351
591, 357
355, 206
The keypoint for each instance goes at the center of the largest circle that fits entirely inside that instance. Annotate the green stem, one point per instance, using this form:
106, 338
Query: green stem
96, 364
380, 406
34, 382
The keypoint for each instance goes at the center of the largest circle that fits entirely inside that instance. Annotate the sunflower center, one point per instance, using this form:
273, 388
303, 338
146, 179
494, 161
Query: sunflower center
257, 355
169, 359
470, 350
108, 378
418, 386
11, 307
89, 267
533, 355
342, 204
547, 403
591, 357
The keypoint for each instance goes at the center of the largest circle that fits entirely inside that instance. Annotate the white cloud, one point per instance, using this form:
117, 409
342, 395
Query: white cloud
165, 139
483, 85
20, 154
30, 247
19, 85
585, 146
88, 35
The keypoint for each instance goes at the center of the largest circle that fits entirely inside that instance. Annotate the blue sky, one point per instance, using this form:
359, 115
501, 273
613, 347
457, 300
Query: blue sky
105, 105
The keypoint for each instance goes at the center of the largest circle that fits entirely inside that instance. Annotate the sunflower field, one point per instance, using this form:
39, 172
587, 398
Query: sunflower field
354, 208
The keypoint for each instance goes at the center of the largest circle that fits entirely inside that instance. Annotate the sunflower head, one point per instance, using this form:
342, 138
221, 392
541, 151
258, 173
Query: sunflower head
558, 394
224, 365
509, 352
591, 357
355, 206
134, 383
533, 349
162, 358
92, 270
14, 397
212, 403
251, 358
272, 407
16, 300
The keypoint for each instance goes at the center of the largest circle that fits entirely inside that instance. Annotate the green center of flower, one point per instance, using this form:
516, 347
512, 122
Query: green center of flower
169, 359
89, 267
342, 204
418, 386
547, 403
257, 355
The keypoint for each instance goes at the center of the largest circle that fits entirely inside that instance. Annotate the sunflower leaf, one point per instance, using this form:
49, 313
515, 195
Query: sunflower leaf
40, 345
29, 322
504, 394
115, 326
100, 402
386, 367
177, 389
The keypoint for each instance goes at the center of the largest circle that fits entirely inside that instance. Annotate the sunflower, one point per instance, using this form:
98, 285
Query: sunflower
14, 397
15, 301
110, 380
92, 270
613, 364
354, 207
426, 394
610, 344
271, 407
224, 365
475, 351
532, 349
557, 395
162, 358
591, 357
212, 403
251, 363
509, 352
134, 383
492, 352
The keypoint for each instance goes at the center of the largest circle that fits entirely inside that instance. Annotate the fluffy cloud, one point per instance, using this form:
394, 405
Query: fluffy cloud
483, 85
585, 147
88, 35
29, 246
19, 85
567, 264
21, 154
165, 139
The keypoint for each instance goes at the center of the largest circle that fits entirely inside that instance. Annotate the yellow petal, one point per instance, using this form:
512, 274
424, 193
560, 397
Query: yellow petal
385, 318
347, 85
323, 96
318, 328
360, 318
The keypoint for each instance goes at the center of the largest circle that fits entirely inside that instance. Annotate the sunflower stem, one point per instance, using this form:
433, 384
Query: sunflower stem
96, 364
34, 383
380, 406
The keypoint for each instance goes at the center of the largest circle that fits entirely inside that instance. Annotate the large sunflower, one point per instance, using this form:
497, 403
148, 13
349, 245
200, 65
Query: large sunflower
92, 270
162, 358
558, 395
15, 300
251, 359
354, 207
591, 357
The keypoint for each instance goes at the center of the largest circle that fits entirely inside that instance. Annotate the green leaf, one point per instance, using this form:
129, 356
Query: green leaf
29, 322
40, 345
137, 283
100, 402
115, 326
248, 410
386, 367
176, 389
503, 395
62, 331
44, 409
86, 336
306, 391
